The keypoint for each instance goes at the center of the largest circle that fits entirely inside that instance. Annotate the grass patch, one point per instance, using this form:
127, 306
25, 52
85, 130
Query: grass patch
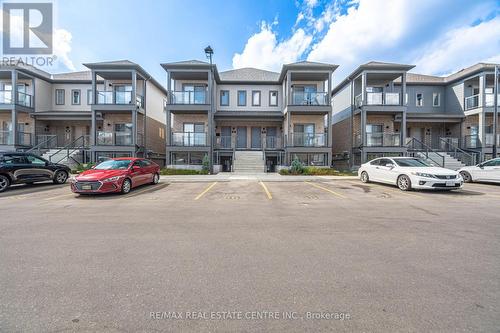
315, 171
174, 172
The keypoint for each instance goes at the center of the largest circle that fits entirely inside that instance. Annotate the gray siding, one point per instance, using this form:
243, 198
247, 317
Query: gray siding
342, 104
455, 98
427, 91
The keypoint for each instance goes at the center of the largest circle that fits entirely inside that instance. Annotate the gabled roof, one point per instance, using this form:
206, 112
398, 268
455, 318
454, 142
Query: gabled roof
249, 75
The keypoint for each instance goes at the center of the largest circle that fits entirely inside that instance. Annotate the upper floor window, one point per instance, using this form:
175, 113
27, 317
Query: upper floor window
59, 96
436, 99
194, 93
419, 99
242, 98
256, 98
224, 97
75, 97
273, 98
89, 96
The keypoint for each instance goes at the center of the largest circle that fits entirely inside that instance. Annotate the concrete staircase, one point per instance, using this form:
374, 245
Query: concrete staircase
449, 161
248, 162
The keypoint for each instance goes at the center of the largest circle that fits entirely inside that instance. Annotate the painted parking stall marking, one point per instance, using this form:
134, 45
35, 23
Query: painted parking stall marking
205, 191
327, 190
266, 190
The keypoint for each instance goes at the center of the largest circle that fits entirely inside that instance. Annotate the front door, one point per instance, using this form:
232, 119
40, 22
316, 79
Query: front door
256, 138
241, 137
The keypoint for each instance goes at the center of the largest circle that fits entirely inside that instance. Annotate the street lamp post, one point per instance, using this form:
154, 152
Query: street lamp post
495, 114
209, 53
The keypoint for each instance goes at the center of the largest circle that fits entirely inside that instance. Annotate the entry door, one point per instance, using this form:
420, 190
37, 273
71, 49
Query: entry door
271, 137
474, 136
256, 138
241, 137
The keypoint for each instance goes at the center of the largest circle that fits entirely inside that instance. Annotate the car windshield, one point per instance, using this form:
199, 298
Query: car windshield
113, 165
411, 162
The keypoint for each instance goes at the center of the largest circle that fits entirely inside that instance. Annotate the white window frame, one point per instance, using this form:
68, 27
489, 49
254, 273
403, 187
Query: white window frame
416, 99
255, 92
63, 91
73, 91
438, 98
270, 98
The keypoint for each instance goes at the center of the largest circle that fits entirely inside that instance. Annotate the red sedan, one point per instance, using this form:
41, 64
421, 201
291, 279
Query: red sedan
117, 175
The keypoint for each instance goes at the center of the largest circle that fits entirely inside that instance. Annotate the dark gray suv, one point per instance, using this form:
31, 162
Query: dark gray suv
19, 168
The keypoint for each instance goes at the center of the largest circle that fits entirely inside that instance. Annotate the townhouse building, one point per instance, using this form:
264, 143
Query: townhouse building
248, 119
113, 109
382, 109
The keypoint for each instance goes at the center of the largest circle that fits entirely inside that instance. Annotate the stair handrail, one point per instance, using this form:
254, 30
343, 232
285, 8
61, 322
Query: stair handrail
71, 147
39, 145
410, 144
456, 150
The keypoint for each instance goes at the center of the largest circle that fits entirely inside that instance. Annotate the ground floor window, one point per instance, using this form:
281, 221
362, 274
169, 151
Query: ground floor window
371, 156
196, 158
179, 158
103, 155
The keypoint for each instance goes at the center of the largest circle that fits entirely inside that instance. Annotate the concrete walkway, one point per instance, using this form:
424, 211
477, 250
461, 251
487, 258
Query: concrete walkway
265, 177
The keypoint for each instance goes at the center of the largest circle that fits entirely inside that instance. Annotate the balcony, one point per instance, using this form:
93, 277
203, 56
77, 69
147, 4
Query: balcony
188, 97
117, 139
380, 140
309, 98
273, 142
379, 98
23, 99
189, 139
23, 138
471, 102
118, 98
308, 140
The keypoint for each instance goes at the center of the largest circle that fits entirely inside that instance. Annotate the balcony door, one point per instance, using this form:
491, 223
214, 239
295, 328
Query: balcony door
271, 137
304, 94
194, 94
123, 134
303, 135
194, 134
374, 135
225, 138
123, 94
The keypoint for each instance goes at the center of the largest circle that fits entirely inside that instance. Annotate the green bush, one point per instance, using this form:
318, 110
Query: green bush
316, 171
297, 167
82, 167
173, 172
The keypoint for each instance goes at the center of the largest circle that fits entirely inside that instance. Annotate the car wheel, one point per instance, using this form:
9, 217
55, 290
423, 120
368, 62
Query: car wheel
404, 183
4, 183
126, 186
60, 177
156, 178
466, 176
364, 177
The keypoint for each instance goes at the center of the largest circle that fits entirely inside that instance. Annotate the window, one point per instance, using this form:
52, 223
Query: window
13, 159
179, 158
59, 96
420, 99
256, 98
89, 96
75, 97
123, 134
161, 132
224, 97
194, 94
436, 99
35, 160
196, 158
273, 98
242, 98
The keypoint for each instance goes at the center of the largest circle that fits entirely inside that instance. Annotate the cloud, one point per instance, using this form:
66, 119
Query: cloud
62, 47
263, 50
462, 47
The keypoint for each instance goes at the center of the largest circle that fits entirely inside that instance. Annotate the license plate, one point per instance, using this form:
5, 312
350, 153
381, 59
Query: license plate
450, 183
86, 187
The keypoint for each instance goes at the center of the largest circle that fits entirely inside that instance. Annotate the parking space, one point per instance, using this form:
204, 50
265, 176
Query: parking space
82, 262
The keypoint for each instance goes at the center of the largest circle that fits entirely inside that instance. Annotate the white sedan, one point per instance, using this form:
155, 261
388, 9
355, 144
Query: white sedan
488, 171
409, 173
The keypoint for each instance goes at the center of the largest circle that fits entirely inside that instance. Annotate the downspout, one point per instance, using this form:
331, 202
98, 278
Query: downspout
145, 117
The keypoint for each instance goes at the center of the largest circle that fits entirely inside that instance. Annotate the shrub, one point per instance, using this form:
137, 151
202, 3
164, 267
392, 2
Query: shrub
82, 167
297, 167
171, 172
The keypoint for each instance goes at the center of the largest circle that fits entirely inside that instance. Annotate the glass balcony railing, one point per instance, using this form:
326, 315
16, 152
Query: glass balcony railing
188, 97
224, 142
309, 98
117, 138
273, 142
119, 97
471, 141
23, 138
380, 140
308, 140
489, 100
471, 102
489, 139
6, 138
379, 98
5, 97
189, 139
23, 99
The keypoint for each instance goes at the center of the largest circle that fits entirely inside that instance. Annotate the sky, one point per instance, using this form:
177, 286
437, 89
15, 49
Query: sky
437, 36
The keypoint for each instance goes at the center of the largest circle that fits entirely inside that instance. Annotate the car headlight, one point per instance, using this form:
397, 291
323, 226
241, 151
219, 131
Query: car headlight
112, 179
422, 174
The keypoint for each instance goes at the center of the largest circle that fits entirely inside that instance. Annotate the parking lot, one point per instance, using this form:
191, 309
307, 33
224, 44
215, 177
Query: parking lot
390, 260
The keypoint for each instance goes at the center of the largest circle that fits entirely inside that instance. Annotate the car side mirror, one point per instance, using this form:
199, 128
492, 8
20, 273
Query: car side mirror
390, 165
481, 166
92, 167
